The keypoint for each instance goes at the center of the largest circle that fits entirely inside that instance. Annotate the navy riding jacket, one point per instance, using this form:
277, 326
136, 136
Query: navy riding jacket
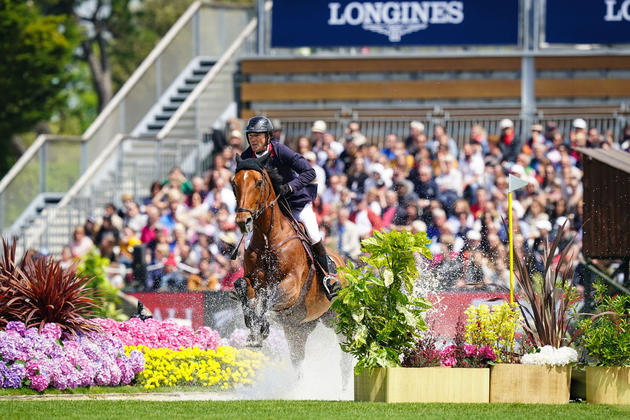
295, 171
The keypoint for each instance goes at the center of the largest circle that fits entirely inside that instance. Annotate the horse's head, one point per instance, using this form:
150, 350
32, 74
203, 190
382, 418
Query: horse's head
253, 190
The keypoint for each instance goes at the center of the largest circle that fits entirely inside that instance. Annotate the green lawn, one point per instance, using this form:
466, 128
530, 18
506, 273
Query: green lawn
298, 410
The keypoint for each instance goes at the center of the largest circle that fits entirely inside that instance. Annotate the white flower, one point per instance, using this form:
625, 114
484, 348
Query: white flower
550, 356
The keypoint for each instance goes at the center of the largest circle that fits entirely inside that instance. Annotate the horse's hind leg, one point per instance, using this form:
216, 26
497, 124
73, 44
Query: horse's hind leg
296, 338
346, 362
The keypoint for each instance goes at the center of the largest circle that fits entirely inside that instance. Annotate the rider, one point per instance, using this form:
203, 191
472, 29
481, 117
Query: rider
298, 188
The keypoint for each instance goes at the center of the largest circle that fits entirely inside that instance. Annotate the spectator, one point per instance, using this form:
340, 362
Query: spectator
81, 244
348, 237
508, 142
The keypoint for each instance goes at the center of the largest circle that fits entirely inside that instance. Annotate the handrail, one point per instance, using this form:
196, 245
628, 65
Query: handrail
29, 154
91, 171
209, 77
144, 66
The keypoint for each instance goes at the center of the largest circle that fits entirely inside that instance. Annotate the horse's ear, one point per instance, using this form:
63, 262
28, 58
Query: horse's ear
263, 159
238, 158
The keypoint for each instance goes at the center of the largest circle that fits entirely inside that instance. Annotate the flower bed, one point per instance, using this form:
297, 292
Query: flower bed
160, 334
223, 368
42, 359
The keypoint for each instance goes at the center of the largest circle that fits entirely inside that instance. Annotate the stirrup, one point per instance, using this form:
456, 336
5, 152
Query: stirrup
331, 289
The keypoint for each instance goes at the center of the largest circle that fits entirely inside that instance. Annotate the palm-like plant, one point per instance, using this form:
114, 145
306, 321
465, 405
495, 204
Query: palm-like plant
39, 291
546, 320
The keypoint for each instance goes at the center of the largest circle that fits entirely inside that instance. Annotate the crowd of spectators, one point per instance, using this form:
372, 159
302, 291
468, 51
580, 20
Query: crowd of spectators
423, 182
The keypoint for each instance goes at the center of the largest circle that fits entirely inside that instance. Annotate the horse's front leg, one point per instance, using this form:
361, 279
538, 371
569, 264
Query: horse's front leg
254, 307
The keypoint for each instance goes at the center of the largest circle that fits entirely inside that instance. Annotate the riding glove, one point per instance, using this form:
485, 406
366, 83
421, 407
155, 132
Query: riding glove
284, 189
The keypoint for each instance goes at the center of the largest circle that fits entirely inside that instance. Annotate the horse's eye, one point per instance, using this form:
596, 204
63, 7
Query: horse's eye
259, 183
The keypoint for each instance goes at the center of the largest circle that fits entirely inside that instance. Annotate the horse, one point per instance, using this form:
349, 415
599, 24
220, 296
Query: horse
279, 274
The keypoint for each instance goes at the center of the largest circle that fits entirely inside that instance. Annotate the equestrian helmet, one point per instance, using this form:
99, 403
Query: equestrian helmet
259, 124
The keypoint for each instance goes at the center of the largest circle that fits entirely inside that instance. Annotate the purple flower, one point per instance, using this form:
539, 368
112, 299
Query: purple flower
9, 346
137, 361
14, 376
16, 326
52, 331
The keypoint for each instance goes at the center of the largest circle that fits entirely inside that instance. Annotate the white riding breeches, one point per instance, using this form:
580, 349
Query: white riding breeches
307, 216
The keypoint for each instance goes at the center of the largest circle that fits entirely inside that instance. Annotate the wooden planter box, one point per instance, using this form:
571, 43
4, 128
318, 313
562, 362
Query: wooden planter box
430, 384
530, 384
608, 385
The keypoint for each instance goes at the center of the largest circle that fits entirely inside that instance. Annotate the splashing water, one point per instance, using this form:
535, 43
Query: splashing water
321, 377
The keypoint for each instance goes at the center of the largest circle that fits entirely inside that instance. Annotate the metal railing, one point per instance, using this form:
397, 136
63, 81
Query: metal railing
205, 29
124, 173
459, 128
51, 164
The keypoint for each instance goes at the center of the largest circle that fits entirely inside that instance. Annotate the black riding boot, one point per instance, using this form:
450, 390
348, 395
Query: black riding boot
326, 267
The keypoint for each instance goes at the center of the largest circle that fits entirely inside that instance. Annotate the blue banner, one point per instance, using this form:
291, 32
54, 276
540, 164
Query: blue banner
319, 23
587, 21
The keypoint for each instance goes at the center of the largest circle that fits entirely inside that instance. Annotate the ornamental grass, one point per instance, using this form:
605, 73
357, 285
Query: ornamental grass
223, 368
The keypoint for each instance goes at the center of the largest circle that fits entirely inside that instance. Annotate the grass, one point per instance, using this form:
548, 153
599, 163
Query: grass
299, 410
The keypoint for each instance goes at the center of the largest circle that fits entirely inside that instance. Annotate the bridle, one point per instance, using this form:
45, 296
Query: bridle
260, 206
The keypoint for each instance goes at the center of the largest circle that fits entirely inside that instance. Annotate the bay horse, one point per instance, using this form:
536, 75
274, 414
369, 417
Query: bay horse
279, 274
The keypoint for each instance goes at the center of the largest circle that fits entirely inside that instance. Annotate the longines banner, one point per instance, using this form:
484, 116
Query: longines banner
587, 21
365, 23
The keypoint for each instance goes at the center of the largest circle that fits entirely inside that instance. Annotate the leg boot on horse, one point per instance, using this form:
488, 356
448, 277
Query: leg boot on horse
326, 266
254, 314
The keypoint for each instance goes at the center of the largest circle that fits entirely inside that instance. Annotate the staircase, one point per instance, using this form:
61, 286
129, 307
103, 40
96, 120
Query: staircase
141, 159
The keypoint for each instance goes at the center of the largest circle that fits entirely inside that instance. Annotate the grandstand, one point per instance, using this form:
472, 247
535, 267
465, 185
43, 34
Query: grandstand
210, 69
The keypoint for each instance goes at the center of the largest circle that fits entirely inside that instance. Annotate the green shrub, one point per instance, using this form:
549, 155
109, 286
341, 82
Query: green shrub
377, 312
92, 265
606, 335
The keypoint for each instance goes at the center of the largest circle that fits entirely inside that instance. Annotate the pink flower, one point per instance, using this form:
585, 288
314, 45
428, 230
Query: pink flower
470, 350
450, 361
39, 383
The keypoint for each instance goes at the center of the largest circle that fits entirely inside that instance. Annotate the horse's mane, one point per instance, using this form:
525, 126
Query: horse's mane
254, 164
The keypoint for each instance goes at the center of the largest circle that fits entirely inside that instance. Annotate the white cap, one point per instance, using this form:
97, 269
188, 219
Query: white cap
310, 156
378, 168
236, 134
560, 221
473, 235
517, 169
579, 123
319, 126
359, 139
543, 225
417, 125
337, 148
419, 226
506, 123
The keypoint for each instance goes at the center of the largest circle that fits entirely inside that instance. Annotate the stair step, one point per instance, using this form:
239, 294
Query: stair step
185, 89
170, 107
178, 98
163, 117
193, 80
155, 126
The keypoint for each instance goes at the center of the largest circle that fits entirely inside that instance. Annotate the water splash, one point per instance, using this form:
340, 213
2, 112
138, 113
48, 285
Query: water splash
321, 377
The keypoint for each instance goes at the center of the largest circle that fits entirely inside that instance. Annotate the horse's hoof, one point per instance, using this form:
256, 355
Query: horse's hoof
253, 342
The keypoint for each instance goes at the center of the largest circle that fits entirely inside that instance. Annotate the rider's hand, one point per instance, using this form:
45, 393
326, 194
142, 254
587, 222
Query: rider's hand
284, 189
